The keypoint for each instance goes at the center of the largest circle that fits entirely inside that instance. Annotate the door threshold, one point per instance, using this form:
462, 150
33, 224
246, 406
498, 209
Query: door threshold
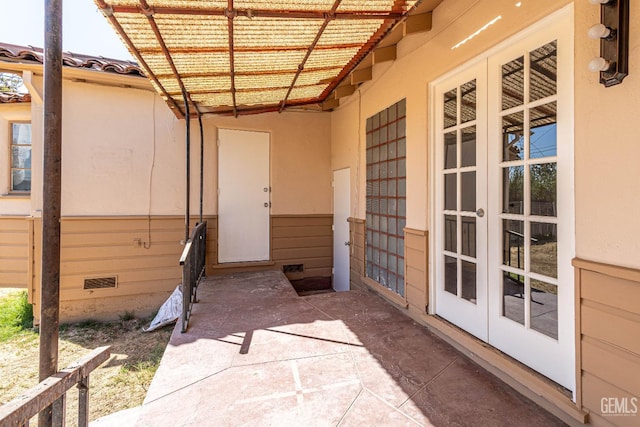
544, 392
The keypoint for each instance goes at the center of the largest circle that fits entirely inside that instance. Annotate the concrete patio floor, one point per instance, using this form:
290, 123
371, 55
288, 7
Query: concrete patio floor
257, 354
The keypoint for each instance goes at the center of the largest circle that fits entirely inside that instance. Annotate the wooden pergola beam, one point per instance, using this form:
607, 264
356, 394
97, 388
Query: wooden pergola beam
418, 23
342, 91
384, 54
187, 50
362, 75
263, 13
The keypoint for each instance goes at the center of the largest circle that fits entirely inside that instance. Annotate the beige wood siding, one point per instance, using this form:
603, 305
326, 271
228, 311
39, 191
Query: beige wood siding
357, 233
609, 347
15, 251
416, 268
303, 239
93, 247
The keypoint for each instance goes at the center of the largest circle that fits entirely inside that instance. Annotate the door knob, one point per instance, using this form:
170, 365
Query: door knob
266, 204
347, 243
480, 212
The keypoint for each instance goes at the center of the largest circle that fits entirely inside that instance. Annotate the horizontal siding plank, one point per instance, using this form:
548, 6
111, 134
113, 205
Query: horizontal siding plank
311, 231
595, 389
14, 239
416, 277
416, 297
8, 226
14, 264
302, 253
21, 251
302, 242
119, 238
307, 262
610, 326
80, 253
417, 259
117, 264
301, 221
132, 288
611, 291
612, 364
10, 279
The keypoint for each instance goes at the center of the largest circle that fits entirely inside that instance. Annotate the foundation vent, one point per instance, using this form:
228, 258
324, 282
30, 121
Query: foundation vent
293, 268
100, 283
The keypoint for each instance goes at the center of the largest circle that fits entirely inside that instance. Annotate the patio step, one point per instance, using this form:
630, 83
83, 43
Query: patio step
128, 417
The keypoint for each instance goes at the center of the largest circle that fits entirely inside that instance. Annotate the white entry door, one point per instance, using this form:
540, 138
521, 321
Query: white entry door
504, 225
243, 196
341, 241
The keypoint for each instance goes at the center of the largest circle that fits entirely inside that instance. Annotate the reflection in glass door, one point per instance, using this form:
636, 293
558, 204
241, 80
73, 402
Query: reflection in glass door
529, 268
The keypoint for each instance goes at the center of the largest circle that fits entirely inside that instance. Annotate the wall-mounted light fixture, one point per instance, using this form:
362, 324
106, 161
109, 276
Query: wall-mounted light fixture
613, 33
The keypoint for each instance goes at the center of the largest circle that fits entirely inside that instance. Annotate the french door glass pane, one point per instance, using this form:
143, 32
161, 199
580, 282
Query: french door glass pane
513, 137
468, 139
450, 160
543, 76
450, 233
542, 139
468, 236
513, 83
513, 297
513, 243
450, 192
543, 189
544, 249
544, 308
468, 102
451, 275
468, 191
469, 281
513, 189
450, 108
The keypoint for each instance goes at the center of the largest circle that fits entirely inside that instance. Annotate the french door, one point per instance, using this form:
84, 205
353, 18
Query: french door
504, 216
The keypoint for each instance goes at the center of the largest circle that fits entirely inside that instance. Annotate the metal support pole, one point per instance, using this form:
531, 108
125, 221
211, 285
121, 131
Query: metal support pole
201, 163
188, 166
51, 189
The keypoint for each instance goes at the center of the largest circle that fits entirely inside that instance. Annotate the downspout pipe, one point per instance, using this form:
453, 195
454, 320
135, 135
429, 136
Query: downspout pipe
201, 164
188, 166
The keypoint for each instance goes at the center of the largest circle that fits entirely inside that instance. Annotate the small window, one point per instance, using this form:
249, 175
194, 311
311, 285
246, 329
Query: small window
20, 158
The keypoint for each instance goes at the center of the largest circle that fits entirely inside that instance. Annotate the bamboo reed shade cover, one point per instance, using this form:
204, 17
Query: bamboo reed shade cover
243, 57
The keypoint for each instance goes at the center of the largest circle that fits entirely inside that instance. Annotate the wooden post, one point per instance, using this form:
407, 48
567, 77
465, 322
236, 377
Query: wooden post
83, 402
52, 178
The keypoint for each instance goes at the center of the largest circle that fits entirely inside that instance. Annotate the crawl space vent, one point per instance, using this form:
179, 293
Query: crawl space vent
100, 282
293, 268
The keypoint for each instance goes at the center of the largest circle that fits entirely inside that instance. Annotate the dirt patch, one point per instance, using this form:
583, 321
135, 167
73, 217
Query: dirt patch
120, 383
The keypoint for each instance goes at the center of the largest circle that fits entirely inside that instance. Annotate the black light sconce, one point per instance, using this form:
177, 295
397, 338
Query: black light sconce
613, 33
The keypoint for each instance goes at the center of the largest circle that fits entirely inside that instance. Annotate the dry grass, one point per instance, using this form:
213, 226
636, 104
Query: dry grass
118, 384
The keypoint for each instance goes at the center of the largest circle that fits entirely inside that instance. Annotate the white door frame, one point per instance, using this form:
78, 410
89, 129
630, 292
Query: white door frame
341, 240
560, 22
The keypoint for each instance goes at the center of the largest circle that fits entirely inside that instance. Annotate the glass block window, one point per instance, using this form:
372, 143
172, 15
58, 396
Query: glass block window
20, 157
387, 196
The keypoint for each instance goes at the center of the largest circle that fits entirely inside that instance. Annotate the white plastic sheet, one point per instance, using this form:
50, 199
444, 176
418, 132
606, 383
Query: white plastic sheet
169, 312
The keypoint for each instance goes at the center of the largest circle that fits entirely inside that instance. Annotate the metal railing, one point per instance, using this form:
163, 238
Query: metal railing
52, 392
193, 269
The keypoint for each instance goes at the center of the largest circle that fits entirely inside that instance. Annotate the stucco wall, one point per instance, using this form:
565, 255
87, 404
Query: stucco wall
124, 154
607, 150
422, 58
